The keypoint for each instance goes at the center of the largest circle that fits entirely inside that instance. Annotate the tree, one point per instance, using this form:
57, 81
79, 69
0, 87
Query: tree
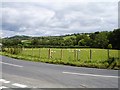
114, 38
68, 42
82, 42
101, 40
74, 41
35, 42
11, 42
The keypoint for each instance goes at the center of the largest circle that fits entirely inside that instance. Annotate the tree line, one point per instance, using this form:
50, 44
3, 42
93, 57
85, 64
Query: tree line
104, 39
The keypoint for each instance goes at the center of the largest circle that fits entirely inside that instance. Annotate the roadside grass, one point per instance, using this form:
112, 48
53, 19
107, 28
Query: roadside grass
97, 58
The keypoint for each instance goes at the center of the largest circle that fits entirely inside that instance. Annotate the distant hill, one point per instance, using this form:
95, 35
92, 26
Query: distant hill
20, 37
23, 37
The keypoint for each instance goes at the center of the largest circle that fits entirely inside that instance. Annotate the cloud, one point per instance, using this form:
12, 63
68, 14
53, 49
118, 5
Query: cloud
51, 18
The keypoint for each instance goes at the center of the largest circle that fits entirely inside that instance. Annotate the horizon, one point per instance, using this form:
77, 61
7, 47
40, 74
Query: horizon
58, 35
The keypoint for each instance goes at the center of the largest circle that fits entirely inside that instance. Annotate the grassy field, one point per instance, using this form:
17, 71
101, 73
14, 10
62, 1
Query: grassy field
78, 57
70, 54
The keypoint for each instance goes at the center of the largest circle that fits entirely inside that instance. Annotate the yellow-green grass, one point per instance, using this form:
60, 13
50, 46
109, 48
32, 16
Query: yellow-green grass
70, 54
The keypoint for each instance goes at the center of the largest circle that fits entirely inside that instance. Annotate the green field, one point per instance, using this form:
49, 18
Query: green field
78, 57
70, 54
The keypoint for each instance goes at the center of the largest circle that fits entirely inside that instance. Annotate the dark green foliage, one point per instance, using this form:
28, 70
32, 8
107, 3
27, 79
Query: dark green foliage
113, 62
109, 46
13, 50
114, 38
102, 39
11, 42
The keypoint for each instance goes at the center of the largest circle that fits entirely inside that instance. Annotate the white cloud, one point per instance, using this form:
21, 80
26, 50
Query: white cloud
53, 18
60, 1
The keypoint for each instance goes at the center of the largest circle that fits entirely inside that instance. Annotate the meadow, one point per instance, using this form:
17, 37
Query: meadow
88, 57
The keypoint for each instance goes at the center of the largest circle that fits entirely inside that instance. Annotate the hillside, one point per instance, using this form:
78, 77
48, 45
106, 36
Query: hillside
21, 37
102, 39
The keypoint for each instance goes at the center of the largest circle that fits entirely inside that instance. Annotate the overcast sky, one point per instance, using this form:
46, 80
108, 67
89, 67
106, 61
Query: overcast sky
57, 18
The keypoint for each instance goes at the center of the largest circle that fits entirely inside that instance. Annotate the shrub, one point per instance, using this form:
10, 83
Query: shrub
14, 50
109, 46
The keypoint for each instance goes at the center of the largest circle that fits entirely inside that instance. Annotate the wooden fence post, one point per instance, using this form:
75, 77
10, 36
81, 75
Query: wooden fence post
32, 54
78, 54
11, 51
49, 53
8, 50
39, 53
90, 54
22, 51
61, 54
108, 53
74, 55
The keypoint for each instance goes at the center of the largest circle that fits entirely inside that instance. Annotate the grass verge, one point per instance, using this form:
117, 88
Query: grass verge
112, 63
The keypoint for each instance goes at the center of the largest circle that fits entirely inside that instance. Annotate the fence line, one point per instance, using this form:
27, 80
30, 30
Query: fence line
62, 54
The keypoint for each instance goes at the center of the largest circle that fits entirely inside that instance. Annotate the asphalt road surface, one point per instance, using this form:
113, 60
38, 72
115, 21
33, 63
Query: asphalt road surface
26, 74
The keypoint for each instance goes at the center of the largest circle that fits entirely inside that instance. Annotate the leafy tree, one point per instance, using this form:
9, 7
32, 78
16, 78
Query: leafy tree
114, 38
68, 42
82, 42
11, 42
35, 42
100, 40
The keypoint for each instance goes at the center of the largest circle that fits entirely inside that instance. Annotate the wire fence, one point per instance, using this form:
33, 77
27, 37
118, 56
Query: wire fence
68, 55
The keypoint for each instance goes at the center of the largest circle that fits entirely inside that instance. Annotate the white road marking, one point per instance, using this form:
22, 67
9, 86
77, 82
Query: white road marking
3, 87
4, 81
19, 85
94, 75
11, 64
14, 84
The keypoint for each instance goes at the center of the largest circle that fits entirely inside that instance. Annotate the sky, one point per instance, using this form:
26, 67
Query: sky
57, 17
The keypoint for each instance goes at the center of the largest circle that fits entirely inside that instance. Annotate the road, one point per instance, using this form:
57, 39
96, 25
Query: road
26, 74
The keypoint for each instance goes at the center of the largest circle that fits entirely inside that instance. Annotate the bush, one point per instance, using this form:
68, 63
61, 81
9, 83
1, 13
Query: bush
109, 46
14, 50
